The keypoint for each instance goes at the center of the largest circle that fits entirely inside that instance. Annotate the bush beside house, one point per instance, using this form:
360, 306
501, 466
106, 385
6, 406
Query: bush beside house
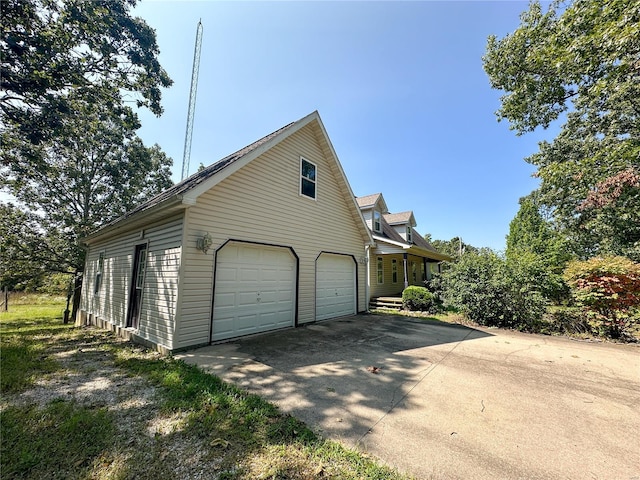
415, 298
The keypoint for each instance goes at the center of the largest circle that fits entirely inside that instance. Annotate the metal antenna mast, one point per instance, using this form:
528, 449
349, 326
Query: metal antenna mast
192, 102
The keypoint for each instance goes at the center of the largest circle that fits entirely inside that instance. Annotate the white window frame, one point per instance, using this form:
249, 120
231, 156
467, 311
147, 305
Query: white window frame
314, 181
97, 281
376, 221
380, 270
394, 270
409, 234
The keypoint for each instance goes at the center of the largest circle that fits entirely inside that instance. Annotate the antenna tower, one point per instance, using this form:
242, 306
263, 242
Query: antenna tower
192, 102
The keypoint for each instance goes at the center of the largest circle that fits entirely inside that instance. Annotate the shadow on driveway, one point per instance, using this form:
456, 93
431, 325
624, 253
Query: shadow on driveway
340, 376
449, 401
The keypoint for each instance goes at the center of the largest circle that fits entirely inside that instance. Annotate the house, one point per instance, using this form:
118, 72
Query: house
401, 256
268, 237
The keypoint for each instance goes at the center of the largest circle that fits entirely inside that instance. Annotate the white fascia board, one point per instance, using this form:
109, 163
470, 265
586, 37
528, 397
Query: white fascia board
344, 177
392, 242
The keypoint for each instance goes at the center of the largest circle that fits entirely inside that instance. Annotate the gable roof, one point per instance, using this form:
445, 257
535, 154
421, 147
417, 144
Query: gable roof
389, 234
368, 200
186, 192
400, 218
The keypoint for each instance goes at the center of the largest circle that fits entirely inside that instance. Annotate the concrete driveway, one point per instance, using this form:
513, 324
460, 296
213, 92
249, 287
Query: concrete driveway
449, 401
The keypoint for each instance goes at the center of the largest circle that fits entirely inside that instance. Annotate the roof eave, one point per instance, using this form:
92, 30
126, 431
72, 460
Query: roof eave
140, 218
363, 224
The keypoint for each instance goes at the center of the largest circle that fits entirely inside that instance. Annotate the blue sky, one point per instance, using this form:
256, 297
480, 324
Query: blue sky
399, 86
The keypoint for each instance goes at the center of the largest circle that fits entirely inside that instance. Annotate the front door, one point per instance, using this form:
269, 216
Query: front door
137, 281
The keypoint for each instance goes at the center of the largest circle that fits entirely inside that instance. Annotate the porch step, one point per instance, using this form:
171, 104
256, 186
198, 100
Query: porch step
394, 303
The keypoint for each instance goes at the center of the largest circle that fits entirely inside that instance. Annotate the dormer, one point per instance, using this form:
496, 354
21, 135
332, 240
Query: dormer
373, 208
403, 223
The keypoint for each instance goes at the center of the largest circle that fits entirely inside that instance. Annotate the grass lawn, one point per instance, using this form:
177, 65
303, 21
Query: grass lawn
82, 403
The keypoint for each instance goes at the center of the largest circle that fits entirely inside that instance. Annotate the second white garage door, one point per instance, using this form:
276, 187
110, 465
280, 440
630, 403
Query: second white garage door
255, 290
335, 286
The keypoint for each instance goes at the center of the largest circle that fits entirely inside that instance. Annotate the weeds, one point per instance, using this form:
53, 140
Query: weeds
117, 410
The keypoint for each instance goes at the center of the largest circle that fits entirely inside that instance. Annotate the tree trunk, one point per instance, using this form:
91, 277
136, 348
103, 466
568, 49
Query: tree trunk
77, 291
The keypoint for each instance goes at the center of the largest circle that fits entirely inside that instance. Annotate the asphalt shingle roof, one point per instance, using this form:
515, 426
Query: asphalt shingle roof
198, 177
368, 200
398, 218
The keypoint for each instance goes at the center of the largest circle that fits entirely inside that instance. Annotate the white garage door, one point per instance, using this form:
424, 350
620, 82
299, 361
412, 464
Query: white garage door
254, 290
335, 286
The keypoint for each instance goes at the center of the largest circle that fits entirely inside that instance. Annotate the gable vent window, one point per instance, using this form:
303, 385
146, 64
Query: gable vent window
409, 236
307, 178
376, 221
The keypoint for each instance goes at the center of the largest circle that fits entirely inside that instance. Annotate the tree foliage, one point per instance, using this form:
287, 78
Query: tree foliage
92, 174
533, 243
93, 49
71, 72
609, 287
578, 62
454, 248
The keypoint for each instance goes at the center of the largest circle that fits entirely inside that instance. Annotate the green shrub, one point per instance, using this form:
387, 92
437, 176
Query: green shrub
608, 288
491, 292
416, 298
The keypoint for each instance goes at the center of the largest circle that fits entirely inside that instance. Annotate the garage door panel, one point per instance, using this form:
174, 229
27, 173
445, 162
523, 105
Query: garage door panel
335, 286
263, 289
227, 274
226, 300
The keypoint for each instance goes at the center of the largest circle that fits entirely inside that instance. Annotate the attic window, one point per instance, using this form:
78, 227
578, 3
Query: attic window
409, 234
307, 178
98, 279
376, 221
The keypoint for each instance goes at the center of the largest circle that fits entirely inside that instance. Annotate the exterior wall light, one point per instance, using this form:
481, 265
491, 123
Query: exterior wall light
204, 243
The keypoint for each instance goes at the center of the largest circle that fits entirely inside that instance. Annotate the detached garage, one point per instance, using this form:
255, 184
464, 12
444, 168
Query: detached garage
269, 237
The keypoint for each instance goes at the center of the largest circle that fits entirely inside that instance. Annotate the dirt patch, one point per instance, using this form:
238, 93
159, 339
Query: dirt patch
148, 443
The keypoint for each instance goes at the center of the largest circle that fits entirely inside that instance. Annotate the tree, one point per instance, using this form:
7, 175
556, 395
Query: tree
453, 248
533, 244
95, 172
92, 48
70, 73
579, 61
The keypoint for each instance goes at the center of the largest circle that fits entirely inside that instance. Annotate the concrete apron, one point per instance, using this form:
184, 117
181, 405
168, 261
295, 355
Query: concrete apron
443, 401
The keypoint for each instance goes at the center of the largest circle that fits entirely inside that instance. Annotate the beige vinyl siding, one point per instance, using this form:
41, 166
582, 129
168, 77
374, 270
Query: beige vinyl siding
160, 289
261, 203
368, 218
388, 288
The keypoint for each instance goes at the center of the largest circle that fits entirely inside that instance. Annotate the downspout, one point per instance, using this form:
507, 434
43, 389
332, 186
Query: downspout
367, 287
